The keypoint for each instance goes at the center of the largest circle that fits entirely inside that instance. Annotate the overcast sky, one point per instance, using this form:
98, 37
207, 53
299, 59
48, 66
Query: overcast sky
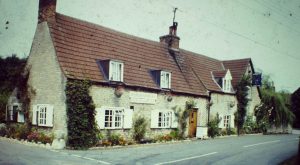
268, 31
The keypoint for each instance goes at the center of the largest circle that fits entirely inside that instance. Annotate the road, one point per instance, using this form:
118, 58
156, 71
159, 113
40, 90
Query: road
250, 149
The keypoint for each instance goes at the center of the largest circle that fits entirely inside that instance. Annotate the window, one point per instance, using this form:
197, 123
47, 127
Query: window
13, 113
226, 121
227, 85
165, 79
115, 71
42, 115
114, 118
163, 119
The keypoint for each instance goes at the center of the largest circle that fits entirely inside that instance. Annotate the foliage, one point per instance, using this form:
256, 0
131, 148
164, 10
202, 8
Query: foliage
175, 134
82, 130
241, 95
139, 129
295, 107
33, 136
250, 126
40, 137
11, 69
213, 127
3, 129
274, 107
182, 116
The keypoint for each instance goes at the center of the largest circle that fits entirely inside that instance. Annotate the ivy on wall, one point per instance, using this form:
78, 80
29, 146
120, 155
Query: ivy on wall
241, 95
82, 129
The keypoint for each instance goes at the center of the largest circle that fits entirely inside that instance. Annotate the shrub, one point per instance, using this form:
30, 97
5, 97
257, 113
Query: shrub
21, 131
45, 139
175, 134
139, 129
250, 126
2, 129
114, 139
33, 137
213, 128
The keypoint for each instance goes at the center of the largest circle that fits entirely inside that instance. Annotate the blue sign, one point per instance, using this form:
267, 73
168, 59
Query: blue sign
256, 79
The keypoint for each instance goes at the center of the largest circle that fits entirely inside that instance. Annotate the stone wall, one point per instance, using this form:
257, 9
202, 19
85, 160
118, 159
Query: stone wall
104, 96
223, 104
46, 80
253, 102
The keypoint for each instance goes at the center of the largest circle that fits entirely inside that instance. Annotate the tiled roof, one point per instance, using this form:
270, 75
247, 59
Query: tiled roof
80, 44
237, 69
202, 67
219, 73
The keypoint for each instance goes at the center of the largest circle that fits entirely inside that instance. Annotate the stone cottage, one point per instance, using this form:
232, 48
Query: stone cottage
131, 77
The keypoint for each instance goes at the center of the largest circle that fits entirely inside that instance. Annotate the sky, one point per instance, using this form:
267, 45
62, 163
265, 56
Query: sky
267, 31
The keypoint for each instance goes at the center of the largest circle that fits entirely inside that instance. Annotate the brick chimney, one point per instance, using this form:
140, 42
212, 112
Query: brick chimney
46, 9
171, 39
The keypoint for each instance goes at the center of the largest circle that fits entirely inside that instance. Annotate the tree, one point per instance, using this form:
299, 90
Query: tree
11, 69
295, 107
274, 107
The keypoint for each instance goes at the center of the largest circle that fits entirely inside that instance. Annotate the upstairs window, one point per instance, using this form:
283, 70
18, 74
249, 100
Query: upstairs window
226, 85
116, 71
165, 80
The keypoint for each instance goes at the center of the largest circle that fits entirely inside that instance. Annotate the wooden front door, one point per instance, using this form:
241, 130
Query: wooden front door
192, 123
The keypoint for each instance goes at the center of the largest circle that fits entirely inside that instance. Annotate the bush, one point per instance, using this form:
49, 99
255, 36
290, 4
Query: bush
2, 129
213, 127
45, 139
139, 129
21, 131
114, 139
175, 134
250, 126
33, 137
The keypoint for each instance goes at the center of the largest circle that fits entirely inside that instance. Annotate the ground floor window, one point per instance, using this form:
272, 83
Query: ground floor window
42, 115
114, 117
14, 113
226, 121
163, 119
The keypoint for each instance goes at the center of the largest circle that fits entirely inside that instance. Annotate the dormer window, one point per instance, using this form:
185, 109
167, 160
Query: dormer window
162, 78
116, 71
226, 85
165, 79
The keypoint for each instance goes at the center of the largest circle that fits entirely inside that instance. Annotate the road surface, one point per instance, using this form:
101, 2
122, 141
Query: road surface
250, 149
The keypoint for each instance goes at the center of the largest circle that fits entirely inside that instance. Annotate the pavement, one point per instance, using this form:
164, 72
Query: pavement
248, 149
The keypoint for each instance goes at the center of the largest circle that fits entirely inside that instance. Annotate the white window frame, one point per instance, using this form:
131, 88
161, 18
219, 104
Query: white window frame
226, 121
121, 118
113, 118
116, 70
165, 79
226, 85
42, 115
163, 119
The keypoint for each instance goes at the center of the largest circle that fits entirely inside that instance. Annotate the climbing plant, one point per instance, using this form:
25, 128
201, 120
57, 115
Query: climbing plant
241, 95
182, 116
82, 129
